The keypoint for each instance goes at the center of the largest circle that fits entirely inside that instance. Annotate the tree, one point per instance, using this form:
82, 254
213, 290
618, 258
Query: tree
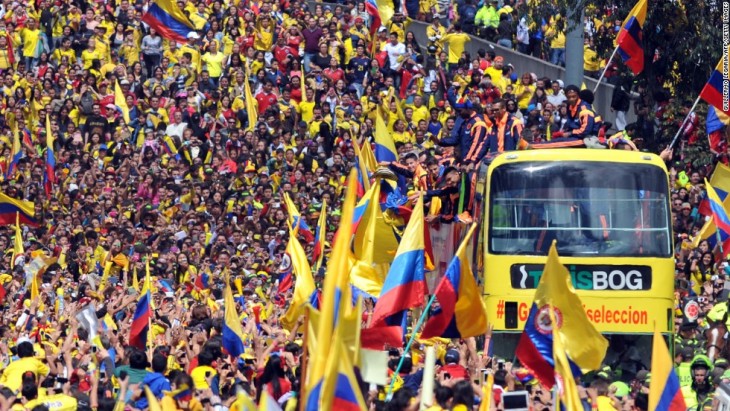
680, 48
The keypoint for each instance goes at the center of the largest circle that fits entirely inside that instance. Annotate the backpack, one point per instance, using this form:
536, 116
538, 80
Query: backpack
87, 104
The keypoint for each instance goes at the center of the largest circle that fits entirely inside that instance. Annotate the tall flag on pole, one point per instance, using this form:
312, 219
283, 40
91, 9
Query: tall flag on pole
49, 177
304, 285
250, 103
384, 145
584, 345
567, 389
719, 214
405, 285
233, 338
18, 248
629, 41
169, 20
142, 315
296, 221
16, 153
712, 93
336, 302
319, 238
664, 389
461, 313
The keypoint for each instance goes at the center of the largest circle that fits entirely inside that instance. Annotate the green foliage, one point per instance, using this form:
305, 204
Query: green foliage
686, 33
697, 154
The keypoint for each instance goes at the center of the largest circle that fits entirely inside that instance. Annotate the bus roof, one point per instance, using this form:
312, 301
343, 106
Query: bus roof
573, 154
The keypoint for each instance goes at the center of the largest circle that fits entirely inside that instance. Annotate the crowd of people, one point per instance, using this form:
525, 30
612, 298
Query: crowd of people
138, 151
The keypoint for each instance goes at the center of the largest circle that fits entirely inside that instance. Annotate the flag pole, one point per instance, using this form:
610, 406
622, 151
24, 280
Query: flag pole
676, 136
414, 331
603, 72
303, 360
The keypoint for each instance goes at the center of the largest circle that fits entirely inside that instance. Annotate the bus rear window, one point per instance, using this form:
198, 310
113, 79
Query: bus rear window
590, 208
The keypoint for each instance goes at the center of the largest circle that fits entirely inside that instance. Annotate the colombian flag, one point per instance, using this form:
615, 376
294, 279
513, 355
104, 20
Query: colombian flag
170, 147
583, 344
296, 221
347, 395
304, 285
10, 208
372, 8
722, 222
285, 279
319, 238
462, 313
165, 17
709, 232
629, 38
49, 177
384, 145
405, 284
567, 389
202, 281
712, 92
232, 331
363, 174
330, 378
16, 154
664, 390
142, 316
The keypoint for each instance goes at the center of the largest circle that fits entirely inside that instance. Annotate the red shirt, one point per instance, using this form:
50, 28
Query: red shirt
265, 100
456, 371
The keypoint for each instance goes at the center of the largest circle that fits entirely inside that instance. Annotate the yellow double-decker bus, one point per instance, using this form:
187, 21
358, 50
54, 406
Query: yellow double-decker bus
610, 214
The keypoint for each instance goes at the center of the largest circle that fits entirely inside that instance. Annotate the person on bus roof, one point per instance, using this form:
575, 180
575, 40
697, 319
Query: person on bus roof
582, 126
469, 133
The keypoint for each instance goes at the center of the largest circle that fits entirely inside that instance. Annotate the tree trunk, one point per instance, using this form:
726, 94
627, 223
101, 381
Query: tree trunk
574, 45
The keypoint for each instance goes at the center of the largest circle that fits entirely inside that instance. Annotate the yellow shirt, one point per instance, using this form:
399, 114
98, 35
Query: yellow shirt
129, 54
102, 47
87, 56
198, 376
195, 61
456, 42
591, 62
214, 63
404, 137
306, 110
168, 403
30, 42
524, 100
12, 376
57, 402
198, 20
496, 75
420, 113
59, 53
263, 40
558, 42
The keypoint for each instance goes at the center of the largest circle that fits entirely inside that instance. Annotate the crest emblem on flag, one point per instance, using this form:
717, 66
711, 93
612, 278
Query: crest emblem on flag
285, 265
543, 324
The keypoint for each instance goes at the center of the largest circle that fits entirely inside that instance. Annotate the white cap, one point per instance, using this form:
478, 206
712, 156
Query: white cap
193, 35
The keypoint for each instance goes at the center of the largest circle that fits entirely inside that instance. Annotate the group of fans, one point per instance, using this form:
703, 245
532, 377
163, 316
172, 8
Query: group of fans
138, 151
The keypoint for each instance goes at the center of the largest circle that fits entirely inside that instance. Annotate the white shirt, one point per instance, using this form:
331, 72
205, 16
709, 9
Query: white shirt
176, 129
395, 51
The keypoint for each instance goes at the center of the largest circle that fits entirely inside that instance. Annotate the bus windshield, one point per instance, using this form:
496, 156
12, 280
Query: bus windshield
591, 208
